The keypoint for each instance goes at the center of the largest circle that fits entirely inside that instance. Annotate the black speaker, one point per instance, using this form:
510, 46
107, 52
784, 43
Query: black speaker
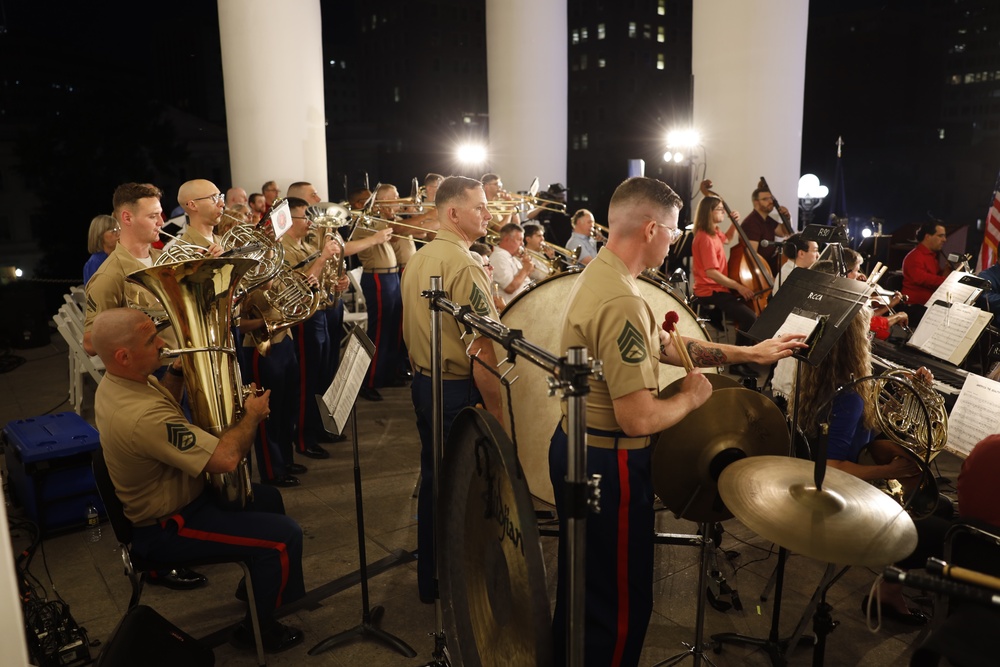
143, 637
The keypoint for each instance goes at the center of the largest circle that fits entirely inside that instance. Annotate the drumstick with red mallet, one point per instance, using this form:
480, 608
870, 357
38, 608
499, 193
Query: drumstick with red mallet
670, 321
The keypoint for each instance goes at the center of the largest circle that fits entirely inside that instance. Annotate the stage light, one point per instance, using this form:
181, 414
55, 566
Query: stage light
18, 273
471, 154
668, 156
866, 232
686, 138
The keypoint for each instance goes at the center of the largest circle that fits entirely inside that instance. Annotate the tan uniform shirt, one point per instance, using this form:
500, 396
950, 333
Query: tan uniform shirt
296, 252
107, 288
404, 248
606, 313
380, 256
154, 455
465, 282
191, 236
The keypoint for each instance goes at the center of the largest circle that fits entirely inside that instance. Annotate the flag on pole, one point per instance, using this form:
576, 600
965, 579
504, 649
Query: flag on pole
991, 232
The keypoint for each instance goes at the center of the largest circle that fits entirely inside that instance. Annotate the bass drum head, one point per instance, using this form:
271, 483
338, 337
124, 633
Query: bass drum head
492, 575
538, 312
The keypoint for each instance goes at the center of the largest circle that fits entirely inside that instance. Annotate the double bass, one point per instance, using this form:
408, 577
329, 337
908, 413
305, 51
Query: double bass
745, 265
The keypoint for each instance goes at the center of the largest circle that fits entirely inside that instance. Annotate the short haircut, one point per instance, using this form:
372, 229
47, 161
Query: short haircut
795, 244
489, 178
383, 188
531, 229
481, 248
579, 214
928, 229
129, 194
299, 184
852, 258
268, 185
254, 197
98, 226
296, 202
641, 189
433, 178
509, 229
757, 192
454, 187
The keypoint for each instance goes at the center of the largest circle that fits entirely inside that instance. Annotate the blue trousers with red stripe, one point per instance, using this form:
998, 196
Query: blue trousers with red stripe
279, 372
385, 308
619, 555
313, 349
270, 541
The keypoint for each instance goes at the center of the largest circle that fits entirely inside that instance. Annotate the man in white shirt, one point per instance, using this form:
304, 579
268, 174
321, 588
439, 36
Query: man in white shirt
509, 272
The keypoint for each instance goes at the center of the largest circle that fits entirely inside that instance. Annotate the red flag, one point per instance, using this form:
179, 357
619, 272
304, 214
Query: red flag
991, 233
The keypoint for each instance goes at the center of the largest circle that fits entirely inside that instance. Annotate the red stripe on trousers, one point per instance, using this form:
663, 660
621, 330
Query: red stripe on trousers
622, 574
378, 329
301, 329
262, 428
206, 536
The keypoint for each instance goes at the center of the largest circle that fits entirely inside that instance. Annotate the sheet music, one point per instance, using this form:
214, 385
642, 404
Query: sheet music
797, 324
952, 291
340, 395
975, 414
949, 332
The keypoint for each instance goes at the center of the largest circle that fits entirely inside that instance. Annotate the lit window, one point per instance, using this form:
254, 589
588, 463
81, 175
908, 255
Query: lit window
601, 62
583, 61
661, 34
970, 78
661, 7
575, 37
583, 140
576, 142
660, 62
631, 30
583, 34
395, 94
647, 31
374, 21
600, 31
941, 133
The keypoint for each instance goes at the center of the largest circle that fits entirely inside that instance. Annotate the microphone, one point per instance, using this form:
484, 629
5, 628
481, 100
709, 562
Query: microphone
767, 244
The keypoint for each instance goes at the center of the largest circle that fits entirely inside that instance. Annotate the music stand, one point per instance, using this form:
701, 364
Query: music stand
833, 302
335, 406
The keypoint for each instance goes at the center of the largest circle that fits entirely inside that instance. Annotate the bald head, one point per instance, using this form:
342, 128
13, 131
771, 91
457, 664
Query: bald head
236, 195
195, 189
115, 329
304, 190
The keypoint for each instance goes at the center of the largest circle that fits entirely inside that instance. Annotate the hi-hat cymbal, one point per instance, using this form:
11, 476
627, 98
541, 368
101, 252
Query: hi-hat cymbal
848, 522
492, 575
734, 423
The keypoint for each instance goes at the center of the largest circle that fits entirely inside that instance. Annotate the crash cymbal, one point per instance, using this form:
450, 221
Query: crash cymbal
734, 423
848, 522
492, 576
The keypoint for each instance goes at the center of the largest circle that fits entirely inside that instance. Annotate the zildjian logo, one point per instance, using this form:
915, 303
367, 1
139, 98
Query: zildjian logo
631, 344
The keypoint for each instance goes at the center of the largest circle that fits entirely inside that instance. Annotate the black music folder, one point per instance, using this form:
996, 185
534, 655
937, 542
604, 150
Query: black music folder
827, 300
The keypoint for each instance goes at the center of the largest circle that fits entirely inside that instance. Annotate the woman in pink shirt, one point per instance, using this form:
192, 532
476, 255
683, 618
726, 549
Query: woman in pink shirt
712, 284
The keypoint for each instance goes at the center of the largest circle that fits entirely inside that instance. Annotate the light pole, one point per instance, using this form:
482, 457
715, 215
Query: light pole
811, 195
681, 147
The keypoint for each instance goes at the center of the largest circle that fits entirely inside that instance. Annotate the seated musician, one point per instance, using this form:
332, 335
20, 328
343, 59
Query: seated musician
853, 447
883, 315
712, 284
542, 255
922, 270
157, 460
801, 254
511, 266
583, 236
760, 226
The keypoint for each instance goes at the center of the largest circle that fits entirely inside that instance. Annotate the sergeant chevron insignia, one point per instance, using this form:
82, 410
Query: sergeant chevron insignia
91, 304
180, 436
631, 344
479, 301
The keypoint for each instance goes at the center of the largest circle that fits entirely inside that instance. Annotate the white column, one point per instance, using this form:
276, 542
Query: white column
528, 112
272, 62
749, 60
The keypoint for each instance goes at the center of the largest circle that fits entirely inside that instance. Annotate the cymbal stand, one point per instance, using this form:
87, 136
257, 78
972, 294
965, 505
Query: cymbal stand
696, 649
570, 375
368, 629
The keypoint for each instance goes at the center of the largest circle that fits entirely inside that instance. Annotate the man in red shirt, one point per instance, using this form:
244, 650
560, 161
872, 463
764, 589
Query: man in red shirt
922, 271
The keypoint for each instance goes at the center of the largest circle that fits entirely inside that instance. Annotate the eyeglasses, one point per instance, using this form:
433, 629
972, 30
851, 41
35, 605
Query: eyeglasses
216, 198
675, 232
115, 230
299, 217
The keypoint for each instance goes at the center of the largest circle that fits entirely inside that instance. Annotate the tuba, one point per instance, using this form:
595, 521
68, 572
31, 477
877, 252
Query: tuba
913, 415
198, 298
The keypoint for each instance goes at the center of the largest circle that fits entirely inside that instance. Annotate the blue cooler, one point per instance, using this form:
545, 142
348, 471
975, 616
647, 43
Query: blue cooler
48, 460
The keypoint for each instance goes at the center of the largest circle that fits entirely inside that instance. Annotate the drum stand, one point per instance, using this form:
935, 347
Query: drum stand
370, 618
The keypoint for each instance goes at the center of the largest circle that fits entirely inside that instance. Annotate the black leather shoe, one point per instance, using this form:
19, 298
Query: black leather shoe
276, 637
180, 579
296, 469
316, 452
369, 394
913, 619
285, 482
332, 439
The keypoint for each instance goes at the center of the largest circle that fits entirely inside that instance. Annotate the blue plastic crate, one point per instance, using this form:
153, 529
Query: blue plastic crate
49, 466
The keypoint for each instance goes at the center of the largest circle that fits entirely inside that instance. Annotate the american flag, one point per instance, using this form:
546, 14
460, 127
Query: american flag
991, 235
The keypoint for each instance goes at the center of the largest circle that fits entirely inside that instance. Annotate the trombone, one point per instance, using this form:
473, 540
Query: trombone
366, 222
544, 204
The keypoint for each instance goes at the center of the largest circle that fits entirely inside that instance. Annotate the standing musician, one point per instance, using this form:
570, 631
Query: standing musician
607, 314
922, 270
557, 224
759, 226
583, 236
493, 187
463, 214
257, 205
271, 192
203, 204
542, 256
852, 445
712, 284
157, 460
512, 267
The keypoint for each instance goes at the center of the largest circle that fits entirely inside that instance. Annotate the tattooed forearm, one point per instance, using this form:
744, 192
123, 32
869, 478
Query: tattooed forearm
705, 356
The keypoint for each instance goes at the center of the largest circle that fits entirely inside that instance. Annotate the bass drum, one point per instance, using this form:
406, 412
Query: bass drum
537, 311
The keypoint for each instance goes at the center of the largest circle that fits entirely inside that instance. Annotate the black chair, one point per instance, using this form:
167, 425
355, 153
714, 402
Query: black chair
136, 566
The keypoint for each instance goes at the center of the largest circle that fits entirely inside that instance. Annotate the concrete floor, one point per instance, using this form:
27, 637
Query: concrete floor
89, 575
